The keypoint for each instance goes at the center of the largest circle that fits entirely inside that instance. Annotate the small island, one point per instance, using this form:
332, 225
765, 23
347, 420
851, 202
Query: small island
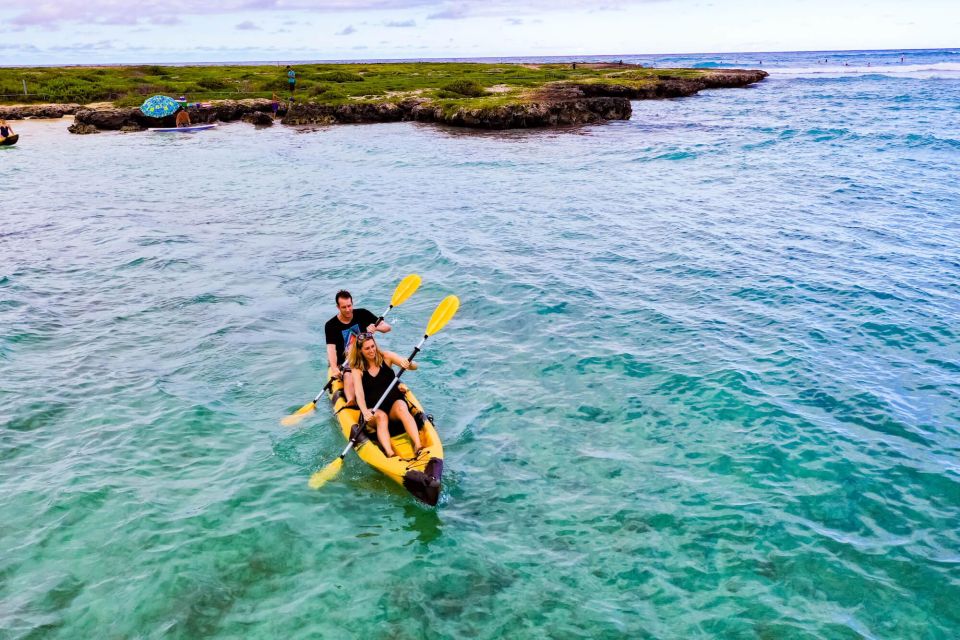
477, 95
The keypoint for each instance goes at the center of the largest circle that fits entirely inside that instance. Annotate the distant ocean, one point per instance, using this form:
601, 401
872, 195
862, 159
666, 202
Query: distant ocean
901, 62
704, 381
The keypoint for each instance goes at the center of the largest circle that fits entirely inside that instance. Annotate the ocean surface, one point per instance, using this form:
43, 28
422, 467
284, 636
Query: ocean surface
704, 381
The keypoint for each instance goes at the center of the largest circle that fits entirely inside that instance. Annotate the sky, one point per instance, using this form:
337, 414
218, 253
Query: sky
125, 31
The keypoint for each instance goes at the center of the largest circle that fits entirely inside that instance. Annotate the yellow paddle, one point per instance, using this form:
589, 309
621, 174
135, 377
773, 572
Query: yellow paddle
403, 291
441, 316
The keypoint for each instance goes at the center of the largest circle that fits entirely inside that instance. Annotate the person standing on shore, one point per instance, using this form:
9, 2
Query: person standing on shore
291, 79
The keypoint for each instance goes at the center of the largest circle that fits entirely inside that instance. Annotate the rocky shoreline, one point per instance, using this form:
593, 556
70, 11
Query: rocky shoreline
557, 104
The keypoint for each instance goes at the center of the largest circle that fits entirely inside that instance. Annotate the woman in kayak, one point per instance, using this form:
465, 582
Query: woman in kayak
370, 368
5, 129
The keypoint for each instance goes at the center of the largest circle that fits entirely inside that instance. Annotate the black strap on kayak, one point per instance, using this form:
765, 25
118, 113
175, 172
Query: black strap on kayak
346, 406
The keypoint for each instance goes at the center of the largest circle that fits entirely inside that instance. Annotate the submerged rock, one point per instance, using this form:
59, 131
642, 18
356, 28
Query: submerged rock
82, 129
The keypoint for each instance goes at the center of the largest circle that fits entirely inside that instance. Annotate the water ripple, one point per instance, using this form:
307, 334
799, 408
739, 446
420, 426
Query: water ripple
703, 382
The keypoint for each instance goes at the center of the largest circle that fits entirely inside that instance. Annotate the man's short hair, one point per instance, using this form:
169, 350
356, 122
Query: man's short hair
343, 294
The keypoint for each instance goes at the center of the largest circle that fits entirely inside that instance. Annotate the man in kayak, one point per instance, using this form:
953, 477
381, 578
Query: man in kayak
341, 330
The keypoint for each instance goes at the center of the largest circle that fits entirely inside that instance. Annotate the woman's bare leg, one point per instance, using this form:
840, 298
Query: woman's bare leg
348, 388
383, 433
399, 411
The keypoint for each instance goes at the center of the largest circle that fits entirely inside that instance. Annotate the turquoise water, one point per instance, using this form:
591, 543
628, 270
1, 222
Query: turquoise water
704, 382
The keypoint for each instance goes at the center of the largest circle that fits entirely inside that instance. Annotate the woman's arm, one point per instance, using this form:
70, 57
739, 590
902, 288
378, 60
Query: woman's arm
358, 394
391, 358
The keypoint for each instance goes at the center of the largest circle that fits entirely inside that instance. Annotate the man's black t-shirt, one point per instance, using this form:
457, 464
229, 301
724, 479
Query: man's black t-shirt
338, 333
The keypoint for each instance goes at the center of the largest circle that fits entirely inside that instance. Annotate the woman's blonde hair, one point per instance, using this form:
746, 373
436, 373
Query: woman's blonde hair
357, 361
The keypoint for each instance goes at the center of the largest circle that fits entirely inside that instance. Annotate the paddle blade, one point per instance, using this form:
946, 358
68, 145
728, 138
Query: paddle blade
326, 474
298, 415
405, 289
441, 316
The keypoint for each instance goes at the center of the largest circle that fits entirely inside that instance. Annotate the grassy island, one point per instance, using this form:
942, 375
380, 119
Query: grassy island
455, 93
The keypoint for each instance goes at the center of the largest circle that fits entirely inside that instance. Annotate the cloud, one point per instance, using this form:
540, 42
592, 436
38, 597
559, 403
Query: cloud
16, 46
400, 24
247, 25
102, 45
453, 13
514, 21
126, 19
53, 12
347, 30
165, 20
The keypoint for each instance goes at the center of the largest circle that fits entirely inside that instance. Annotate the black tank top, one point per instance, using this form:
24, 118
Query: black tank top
375, 386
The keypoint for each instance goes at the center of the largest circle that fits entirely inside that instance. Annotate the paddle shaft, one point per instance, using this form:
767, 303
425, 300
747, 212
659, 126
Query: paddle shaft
396, 379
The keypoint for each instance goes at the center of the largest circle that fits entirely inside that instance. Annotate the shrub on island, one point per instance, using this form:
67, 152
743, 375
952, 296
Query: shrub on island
462, 88
339, 76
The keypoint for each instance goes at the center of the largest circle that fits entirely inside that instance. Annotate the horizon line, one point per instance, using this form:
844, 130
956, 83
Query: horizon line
575, 58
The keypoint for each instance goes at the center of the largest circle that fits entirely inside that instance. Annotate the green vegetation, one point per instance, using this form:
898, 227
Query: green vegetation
452, 84
338, 76
462, 88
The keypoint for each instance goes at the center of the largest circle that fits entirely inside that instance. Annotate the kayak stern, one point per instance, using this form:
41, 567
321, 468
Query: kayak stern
425, 485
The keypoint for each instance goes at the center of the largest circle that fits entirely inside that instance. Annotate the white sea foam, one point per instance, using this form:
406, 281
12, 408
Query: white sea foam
932, 70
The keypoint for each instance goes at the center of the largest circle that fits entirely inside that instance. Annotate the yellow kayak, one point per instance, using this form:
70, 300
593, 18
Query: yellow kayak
421, 475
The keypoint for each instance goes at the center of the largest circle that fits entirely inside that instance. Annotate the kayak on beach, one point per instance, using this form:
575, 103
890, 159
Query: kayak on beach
9, 141
190, 129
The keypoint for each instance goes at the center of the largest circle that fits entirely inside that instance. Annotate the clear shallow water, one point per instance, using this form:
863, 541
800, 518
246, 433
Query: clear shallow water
704, 381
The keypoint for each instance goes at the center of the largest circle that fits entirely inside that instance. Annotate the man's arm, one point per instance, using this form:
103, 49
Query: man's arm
383, 327
332, 359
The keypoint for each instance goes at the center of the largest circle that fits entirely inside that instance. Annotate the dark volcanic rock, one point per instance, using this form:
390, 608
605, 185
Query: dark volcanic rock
534, 114
667, 86
259, 119
552, 112
311, 113
132, 119
20, 112
110, 119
